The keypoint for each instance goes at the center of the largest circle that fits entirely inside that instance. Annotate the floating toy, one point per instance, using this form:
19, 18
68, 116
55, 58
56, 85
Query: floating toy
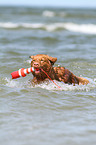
22, 72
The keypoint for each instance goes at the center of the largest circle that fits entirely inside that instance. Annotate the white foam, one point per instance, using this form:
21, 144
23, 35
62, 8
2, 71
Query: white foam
94, 79
48, 14
30, 25
28, 61
9, 25
52, 14
13, 83
24, 25
50, 86
66, 87
82, 28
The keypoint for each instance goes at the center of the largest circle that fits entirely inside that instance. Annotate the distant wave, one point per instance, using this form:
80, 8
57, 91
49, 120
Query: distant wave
52, 14
82, 28
48, 14
11, 25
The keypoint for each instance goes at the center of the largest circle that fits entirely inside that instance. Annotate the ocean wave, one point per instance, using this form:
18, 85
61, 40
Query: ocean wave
81, 28
11, 25
48, 14
52, 14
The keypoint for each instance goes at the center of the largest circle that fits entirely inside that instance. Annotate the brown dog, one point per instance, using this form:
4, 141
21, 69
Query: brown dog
44, 62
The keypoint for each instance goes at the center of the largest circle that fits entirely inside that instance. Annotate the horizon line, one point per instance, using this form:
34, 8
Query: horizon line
49, 6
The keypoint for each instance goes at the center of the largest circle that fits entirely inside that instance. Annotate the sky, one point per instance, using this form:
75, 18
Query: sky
62, 3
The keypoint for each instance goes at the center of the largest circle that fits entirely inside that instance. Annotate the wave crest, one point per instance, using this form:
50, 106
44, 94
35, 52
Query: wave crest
48, 14
81, 28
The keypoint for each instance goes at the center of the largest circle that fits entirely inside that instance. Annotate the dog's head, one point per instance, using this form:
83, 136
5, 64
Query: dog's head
42, 61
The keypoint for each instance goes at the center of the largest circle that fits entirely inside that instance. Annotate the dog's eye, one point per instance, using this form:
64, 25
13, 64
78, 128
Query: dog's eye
42, 59
33, 60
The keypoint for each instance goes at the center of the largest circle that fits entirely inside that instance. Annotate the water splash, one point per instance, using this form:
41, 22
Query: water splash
12, 83
67, 87
50, 86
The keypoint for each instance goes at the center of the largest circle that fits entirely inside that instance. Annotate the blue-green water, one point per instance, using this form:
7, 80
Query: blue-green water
45, 115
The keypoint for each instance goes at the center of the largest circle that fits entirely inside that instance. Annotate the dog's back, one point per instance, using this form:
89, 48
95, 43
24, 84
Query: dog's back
65, 75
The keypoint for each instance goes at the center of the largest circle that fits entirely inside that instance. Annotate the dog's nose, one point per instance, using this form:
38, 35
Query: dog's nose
36, 64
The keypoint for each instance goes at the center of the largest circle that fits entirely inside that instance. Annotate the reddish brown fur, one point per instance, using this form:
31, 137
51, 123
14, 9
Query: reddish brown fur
55, 73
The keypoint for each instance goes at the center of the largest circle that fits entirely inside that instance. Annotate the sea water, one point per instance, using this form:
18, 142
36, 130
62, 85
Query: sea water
45, 114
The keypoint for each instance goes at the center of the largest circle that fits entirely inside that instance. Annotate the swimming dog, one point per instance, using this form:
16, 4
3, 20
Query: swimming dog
44, 63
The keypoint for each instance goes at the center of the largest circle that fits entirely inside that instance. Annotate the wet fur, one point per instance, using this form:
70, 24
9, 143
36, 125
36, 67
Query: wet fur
55, 73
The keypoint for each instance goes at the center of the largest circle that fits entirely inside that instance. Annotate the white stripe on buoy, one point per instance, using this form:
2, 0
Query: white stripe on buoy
20, 72
25, 71
33, 69
29, 69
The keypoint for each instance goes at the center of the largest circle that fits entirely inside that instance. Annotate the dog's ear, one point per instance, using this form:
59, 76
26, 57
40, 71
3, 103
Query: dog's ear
52, 59
31, 57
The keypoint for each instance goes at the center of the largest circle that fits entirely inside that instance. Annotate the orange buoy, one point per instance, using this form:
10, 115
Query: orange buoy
22, 72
